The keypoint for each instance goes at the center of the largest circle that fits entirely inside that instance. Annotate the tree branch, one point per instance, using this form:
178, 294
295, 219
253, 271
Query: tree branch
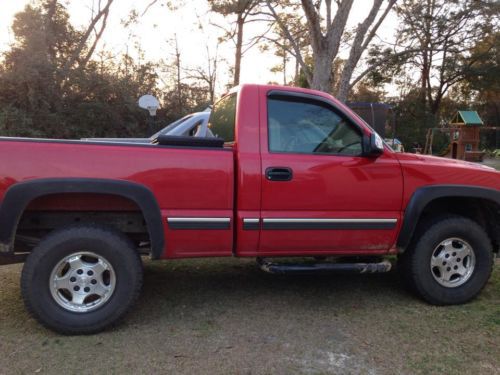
379, 63
98, 36
313, 22
85, 37
293, 43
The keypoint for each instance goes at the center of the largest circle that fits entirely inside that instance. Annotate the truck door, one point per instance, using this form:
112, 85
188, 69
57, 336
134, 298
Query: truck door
319, 194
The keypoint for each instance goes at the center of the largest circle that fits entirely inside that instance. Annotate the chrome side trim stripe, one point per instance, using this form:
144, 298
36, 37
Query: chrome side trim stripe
251, 220
281, 223
251, 224
199, 219
312, 220
199, 222
313, 223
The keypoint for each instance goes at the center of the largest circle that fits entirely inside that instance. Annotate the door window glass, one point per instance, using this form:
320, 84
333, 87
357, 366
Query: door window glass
310, 128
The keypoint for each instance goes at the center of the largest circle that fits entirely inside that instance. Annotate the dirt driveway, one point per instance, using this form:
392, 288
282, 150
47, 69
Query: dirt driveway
226, 316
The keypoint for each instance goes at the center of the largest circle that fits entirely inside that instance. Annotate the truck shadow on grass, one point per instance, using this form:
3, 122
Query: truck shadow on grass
222, 284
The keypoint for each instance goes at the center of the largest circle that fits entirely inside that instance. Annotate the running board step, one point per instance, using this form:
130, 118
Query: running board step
10, 258
316, 268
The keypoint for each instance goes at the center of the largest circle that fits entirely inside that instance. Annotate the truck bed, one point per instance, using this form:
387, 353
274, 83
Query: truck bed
185, 181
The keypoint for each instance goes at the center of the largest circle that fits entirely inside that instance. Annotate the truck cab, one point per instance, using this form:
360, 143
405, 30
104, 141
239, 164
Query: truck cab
306, 180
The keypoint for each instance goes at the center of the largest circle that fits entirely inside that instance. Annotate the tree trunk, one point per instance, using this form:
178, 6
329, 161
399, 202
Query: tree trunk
423, 79
322, 73
344, 86
211, 93
49, 34
284, 67
435, 105
297, 72
178, 68
239, 43
55, 85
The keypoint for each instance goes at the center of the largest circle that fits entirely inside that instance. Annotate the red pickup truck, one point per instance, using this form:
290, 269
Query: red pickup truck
290, 173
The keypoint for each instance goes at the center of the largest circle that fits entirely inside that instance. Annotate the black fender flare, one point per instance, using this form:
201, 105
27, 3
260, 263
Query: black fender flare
425, 195
18, 196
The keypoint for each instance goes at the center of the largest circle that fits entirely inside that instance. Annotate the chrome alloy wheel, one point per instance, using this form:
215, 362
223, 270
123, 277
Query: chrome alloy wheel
452, 262
82, 282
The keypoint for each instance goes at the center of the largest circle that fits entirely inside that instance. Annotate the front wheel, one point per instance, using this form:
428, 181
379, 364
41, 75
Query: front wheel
81, 279
450, 262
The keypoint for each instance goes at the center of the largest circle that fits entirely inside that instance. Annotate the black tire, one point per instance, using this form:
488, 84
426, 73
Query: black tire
415, 264
107, 243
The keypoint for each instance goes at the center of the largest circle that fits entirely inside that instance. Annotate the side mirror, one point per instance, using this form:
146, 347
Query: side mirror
373, 145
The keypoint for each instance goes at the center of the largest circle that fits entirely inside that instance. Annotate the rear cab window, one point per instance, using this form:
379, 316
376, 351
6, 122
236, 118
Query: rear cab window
222, 120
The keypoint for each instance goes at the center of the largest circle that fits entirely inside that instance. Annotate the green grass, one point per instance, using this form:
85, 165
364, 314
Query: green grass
226, 316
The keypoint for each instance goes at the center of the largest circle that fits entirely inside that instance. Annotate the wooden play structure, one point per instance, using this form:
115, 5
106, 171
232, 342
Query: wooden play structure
464, 135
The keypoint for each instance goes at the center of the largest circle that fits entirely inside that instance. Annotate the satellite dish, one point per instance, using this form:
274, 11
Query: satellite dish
150, 103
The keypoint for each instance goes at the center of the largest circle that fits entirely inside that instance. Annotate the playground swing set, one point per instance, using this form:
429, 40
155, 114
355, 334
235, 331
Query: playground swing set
464, 135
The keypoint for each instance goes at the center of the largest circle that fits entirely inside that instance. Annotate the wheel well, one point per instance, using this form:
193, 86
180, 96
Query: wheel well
49, 212
21, 195
483, 211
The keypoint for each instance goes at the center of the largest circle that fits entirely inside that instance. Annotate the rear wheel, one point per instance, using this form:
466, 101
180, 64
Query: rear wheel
450, 261
81, 279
